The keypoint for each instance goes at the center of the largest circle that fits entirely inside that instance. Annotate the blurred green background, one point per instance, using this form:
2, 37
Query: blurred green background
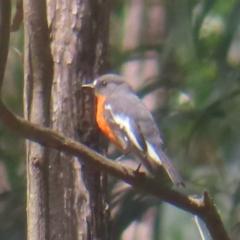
183, 58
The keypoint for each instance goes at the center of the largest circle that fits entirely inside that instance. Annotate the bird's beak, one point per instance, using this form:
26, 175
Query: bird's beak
88, 85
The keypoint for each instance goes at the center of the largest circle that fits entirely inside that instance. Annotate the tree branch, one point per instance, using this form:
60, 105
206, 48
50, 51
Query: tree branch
203, 208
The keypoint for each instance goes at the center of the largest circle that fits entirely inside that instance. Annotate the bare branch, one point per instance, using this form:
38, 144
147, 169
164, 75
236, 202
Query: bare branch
5, 18
203, 208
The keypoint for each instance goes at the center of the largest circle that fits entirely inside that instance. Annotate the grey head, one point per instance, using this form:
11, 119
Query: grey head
109, 84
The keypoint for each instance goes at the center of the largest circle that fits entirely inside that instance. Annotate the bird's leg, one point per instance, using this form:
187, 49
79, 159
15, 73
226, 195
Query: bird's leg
122, 156
138, 168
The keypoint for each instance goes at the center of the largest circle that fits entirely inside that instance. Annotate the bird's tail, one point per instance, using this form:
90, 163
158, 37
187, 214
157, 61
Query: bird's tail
166, 165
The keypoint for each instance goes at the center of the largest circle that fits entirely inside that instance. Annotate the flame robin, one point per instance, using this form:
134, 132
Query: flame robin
126, 122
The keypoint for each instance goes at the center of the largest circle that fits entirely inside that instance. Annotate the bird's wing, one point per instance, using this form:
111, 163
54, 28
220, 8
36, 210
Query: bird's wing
137, 131
125, 129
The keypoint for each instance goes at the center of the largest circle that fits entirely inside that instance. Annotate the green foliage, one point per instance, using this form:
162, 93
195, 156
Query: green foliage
12, 156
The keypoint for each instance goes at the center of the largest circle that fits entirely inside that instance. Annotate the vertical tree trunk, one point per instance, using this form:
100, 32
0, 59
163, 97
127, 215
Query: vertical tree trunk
38, 81
65, 45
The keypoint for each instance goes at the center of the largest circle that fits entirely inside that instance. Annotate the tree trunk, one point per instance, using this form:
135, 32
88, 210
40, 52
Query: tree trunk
65, 45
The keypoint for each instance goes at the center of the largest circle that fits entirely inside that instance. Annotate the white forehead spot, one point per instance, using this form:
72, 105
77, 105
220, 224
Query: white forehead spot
95, 82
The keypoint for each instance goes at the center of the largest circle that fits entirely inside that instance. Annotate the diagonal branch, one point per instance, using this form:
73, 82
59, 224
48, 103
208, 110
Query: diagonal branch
204, 207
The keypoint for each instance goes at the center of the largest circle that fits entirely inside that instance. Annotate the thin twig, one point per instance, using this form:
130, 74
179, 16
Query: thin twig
196, 220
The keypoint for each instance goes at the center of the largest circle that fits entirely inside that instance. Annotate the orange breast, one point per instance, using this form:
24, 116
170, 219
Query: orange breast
102, 123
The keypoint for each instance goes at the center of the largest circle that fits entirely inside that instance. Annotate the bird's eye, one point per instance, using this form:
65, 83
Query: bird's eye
104, 83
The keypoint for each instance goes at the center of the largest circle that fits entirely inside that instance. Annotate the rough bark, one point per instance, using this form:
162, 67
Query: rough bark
79, 43
65, 45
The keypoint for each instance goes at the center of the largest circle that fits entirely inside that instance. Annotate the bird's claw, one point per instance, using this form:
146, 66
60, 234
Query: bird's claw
138, 168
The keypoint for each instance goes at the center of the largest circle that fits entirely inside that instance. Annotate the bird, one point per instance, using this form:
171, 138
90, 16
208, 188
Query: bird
128, 123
